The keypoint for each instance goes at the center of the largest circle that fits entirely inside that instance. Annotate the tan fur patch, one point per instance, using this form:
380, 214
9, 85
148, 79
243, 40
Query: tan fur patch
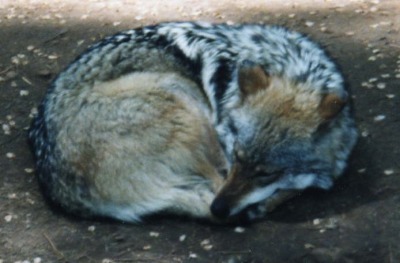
135, 81
252, 80
149, 133
292, 106
331, 104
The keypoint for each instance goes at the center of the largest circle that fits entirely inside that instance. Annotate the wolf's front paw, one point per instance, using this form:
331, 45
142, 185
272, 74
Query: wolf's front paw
255, 212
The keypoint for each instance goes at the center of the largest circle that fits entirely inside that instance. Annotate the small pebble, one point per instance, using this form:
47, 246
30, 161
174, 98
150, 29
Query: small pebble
379, 118
37, 260
154, 234
107, 260
6, 129
205, 242
366, 84
182, 238
309, 23
91, 228
116, 23
8, 218
192, 255
15, 60
24, 92
390, 96
364, 134
385, 76
29, 170
10, 155
381, 85
12, 196
371, 80
239, 229
309, 246
332, 223
361, 171
33, 113
323, 230
45, 17
52, 57
11, 74
373, 9
44, 73
316, 221
388, 172
386, 23
207, 247
147, 247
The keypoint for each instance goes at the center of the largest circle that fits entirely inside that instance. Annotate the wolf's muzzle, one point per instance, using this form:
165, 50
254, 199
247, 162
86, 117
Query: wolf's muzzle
220, 208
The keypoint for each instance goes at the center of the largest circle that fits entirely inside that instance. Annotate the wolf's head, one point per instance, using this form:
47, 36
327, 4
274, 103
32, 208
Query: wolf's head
286, 135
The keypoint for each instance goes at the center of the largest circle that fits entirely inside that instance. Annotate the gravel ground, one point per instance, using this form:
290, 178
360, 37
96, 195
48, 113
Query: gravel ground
357, 221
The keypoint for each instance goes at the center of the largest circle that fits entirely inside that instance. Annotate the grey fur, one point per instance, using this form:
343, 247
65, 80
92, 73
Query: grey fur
212, 56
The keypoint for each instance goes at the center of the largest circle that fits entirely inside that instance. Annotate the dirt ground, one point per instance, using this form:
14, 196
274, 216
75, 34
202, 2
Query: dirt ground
357, 221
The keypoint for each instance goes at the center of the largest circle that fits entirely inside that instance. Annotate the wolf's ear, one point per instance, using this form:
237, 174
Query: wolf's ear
331, 104
252, 79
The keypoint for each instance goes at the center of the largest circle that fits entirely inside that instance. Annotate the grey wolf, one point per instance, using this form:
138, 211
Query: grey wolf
277, 101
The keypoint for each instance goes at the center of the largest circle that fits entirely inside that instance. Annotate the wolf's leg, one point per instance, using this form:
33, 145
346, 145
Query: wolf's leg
260, 210
193, 201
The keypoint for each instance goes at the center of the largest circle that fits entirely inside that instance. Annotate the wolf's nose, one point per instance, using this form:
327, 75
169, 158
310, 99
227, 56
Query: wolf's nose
219, 208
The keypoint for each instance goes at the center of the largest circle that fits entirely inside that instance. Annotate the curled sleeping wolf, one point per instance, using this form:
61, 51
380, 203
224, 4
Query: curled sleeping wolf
149, 120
